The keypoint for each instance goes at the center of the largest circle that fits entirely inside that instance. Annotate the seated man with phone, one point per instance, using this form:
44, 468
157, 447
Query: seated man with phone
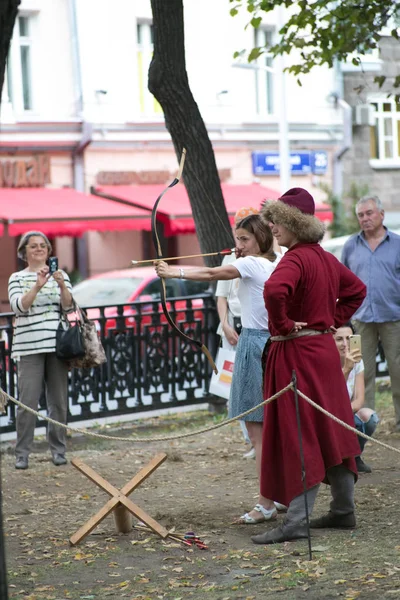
365, 419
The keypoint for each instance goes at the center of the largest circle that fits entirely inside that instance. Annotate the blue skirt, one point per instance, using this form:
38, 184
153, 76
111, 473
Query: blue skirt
247, 380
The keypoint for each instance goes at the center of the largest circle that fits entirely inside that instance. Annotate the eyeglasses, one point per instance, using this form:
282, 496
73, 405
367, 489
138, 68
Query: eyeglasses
36, 246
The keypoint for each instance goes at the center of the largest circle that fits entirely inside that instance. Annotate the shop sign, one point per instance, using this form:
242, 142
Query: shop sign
144, 177
132, 177
34, 172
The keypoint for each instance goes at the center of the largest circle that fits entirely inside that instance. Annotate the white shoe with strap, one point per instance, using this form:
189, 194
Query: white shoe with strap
265, 515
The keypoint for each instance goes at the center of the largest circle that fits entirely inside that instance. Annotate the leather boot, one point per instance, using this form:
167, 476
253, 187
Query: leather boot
283, 533
332, 520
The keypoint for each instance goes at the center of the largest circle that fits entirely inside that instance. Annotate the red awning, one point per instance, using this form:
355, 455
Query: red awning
64, 211
175, 211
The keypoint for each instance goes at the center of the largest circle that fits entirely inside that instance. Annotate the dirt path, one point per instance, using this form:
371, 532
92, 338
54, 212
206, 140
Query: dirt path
204, 485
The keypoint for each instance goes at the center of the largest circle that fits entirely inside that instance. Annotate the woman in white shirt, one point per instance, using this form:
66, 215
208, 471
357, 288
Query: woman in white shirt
365, 419
253, 268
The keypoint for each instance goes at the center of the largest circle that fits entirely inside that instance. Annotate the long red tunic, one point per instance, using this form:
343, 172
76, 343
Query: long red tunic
308, 285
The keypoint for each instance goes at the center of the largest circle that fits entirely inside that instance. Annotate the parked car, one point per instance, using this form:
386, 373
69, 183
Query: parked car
335, 245
130, 285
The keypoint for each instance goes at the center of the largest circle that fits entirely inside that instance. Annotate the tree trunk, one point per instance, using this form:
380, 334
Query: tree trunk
168, 82
8, 14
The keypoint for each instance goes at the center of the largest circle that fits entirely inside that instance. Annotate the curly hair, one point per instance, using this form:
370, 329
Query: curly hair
306, 228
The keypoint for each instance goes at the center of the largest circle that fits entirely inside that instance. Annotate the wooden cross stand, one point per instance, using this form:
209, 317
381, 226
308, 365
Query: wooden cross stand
119, 503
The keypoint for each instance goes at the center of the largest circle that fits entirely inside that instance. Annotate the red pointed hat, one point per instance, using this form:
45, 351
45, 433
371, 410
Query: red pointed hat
299, 198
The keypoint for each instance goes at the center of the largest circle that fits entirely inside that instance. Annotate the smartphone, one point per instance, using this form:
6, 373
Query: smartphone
355, 342
53, 264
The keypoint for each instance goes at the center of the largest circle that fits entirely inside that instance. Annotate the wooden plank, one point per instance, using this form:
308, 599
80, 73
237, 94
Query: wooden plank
143, 474
144, 517
123, 519
94, 521
119, 499
95, 477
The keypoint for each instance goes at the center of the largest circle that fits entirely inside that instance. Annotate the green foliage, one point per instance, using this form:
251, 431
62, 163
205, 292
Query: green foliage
74, 275
324, 30
344, 217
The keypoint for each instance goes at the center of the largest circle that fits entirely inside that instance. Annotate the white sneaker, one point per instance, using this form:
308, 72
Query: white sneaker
250, 454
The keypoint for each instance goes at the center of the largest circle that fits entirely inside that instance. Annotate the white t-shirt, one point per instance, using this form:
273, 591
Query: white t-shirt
351, 380
228, 288
254, 271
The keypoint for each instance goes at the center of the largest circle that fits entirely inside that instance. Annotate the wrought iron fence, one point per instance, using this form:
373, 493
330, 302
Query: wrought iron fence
149, 366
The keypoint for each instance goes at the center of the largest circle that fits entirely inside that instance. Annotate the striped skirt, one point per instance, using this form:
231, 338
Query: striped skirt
247, 383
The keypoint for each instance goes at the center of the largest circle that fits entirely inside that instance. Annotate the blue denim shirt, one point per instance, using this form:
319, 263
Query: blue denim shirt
380, 271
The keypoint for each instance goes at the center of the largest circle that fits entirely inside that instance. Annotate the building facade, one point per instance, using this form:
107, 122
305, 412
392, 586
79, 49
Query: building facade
374, 157
76, 100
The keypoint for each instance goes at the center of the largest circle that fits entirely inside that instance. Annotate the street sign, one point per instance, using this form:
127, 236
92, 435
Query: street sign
301, 163
319, 162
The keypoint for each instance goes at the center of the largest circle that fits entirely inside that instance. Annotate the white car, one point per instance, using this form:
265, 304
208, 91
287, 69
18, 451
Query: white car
335, 245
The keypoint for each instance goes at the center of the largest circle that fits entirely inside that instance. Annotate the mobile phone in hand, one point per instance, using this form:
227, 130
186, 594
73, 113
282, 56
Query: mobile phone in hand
355, 343
53, 264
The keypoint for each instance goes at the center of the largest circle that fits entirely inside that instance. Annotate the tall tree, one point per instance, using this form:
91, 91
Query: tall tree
323, 31
168, 82
8, 14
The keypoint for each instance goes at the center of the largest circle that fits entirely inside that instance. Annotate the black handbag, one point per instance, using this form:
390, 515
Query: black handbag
69, 339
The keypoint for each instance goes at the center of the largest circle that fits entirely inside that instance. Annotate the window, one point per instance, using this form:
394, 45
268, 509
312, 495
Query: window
385, 133
192, 288
19, 66
369, 61
148, 105
153, 289
264, 77
25, 55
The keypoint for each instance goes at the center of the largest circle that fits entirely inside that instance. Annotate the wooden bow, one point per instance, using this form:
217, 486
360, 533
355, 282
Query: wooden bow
157, 245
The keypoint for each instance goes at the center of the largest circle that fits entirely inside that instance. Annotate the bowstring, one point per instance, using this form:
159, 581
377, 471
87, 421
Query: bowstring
208, 198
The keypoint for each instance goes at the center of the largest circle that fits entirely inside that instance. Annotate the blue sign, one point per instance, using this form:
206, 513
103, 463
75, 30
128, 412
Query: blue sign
301, 163
319, 162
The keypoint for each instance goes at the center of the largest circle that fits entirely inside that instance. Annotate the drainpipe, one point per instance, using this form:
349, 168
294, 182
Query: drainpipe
346, 145
337, 183
78, 165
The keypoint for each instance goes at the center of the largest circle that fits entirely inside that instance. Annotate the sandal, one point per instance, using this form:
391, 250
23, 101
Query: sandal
280, 507
266, 515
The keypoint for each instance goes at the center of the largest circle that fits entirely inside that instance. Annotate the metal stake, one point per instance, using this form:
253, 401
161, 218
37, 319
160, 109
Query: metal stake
303, 468
3, 569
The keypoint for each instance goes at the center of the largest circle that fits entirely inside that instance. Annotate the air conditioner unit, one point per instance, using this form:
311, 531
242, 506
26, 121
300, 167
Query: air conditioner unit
363, 114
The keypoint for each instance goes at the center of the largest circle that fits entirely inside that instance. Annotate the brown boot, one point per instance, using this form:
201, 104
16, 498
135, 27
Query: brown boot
332, 520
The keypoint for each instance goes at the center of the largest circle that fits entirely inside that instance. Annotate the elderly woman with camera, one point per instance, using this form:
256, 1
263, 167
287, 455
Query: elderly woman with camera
37, 295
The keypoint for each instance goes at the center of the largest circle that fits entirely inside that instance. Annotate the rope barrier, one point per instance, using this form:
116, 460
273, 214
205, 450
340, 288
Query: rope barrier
151, 439
345, 425
4, 398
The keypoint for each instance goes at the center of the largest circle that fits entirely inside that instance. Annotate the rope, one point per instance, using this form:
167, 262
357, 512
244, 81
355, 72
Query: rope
345, 425
138, 439
4, 397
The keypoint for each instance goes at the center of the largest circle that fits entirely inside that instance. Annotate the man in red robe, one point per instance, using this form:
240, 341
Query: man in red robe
308, 294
